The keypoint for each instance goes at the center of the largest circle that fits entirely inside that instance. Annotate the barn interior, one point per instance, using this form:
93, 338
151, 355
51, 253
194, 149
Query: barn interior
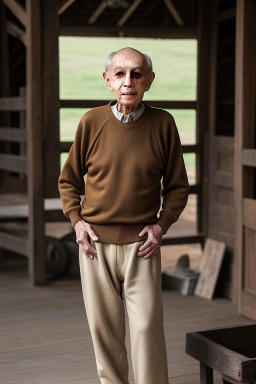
223, 188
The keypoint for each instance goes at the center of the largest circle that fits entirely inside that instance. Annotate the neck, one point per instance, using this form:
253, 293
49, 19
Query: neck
125, 109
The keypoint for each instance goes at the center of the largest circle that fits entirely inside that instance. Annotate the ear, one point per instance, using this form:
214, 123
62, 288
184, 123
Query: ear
151, 77
107, 80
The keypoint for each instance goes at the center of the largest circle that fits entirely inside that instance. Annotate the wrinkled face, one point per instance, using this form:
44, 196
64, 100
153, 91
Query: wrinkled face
128, 77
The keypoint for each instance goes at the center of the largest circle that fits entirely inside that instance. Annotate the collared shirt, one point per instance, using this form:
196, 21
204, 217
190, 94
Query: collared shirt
133, 116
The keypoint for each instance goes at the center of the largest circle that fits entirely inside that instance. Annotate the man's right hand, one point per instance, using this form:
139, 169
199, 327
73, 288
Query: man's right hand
83, 233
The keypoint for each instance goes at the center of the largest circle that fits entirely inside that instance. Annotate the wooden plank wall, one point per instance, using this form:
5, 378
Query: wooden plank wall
245, 193
221, 138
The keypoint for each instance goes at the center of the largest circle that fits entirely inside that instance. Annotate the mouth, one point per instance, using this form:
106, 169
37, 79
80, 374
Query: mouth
128, 93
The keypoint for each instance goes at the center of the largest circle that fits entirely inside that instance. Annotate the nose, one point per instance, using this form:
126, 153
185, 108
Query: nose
128, 80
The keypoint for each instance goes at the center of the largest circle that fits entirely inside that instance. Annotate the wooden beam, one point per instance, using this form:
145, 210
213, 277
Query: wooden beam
97, 12
14, 243
55, 216
193, 239
229, 14
167, 104
249, 213
37, 268
249, 157
202, 115
50, 87
22, 126
194, 189
18, 11
14, 163
223, 179
65, 4
12, 104
206, 374
17, 32
163, 33
15, 135
223, 144
4, 62
227, 238
193, 148
174, 12
65, 146
219, 357
238, 275
223, 218
129, 12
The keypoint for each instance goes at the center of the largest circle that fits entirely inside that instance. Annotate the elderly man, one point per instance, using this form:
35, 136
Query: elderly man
131, 154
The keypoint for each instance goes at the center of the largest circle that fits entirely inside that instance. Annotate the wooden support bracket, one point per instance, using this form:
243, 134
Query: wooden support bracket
65, 4
174, 13
18, 11
17, 32
128, 13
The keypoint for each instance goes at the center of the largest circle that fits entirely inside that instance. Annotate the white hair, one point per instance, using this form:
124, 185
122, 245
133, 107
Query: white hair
147, 59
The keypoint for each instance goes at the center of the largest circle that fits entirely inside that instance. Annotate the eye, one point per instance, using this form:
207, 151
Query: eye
118, 74
136, 75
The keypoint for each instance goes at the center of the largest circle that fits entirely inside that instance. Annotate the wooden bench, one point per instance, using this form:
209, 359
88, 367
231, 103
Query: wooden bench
230, 351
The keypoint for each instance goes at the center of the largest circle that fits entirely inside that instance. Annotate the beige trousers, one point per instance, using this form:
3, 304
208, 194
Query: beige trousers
116, 275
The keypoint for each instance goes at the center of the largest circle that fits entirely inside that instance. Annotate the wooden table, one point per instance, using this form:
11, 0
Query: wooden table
230, 351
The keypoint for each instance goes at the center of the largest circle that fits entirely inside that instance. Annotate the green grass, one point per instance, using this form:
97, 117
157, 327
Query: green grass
82, 63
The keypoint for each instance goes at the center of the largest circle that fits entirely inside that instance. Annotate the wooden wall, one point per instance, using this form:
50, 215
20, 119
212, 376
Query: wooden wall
245, 159
220, 212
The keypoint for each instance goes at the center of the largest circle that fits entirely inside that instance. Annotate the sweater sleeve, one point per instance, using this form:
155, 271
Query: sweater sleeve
71, 181
175, 182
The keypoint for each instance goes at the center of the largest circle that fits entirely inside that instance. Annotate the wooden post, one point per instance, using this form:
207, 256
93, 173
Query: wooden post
35, 153
4, 81
4, 67
202, 117
23, 146
206, 374
245, 119
50, 22
238, 151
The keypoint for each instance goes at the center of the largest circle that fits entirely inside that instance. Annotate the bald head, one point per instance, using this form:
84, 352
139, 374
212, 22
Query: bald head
146, 59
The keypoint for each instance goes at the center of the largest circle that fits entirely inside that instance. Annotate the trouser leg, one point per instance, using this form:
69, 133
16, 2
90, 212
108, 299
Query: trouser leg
104, 305
143, 297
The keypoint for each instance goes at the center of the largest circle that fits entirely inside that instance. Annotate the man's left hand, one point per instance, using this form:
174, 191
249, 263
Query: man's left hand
153, 242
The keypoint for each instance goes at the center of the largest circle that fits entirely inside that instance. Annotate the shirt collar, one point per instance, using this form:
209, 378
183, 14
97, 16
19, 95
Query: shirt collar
133, 116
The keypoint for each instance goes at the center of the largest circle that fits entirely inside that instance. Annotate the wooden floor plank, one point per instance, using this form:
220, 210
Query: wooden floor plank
45, 336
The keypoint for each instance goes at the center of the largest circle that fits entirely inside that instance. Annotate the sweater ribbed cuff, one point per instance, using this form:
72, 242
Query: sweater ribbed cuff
74, 217
165, 222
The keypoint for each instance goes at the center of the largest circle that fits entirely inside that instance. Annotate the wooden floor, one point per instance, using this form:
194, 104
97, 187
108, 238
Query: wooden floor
45, 337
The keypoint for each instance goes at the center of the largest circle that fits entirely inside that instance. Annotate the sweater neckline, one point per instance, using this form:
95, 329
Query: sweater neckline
121, 124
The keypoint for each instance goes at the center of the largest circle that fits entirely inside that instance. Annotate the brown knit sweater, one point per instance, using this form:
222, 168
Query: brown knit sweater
125, 164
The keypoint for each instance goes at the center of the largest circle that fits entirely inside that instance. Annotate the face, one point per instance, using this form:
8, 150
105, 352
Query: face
128, 77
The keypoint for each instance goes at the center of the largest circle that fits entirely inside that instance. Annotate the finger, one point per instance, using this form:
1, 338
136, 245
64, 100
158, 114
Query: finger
87, 253
145, 245
92, 234
144, 231
86, 247
90, 256
92, 242
152, 247
152, 253
80, 236
150, 240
